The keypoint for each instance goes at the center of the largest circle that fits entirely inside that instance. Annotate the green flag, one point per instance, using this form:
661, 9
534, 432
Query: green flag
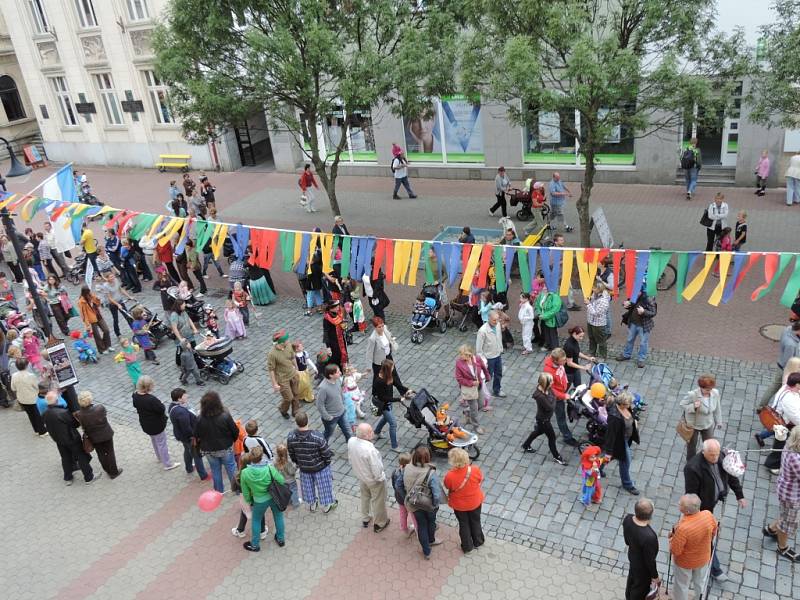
426, 256
792, 286
524, 270
345, 255
499, 272
655, 268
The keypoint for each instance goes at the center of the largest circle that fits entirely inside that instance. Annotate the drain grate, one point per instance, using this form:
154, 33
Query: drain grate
772, 331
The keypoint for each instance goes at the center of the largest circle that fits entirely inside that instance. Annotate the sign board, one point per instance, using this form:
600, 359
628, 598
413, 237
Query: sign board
62, 365
549, 128
602, 228
132, 106
33, 157
85, 108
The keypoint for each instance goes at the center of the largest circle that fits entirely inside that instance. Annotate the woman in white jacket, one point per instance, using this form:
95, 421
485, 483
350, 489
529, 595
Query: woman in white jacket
381, 344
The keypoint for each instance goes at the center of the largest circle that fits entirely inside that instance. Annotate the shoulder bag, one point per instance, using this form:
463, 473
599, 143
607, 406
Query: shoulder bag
705, 220
420, 496
87, 444
463, 483
684, 430
280, 492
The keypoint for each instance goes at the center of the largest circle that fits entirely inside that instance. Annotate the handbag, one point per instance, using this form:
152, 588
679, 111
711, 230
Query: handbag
280, 492
770, 417
420, 496
88, 446
66, 305
684, 430
705, 220
469, 392
562, 316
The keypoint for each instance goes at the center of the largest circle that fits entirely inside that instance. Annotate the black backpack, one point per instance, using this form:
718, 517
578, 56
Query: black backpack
688, 159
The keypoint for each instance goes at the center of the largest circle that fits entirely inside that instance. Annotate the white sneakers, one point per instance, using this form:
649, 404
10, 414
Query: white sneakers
172, 466
241, 534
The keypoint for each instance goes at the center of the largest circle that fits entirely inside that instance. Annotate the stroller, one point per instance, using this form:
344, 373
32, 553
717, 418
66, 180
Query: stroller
436, 312
77, 272
212, 359
530, 200
442, 436
194, 307
157, 330
602, 372
581, 404
468, 312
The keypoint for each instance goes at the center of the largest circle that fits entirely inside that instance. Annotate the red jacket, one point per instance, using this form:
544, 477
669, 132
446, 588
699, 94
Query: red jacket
164, 252
560, 383
468, 497
464, 376
307, 180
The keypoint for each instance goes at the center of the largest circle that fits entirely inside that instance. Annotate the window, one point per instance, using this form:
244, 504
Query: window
38, 16
64, 102
137, 10
86, 14
462, 142
9, 96
111, 106
159, 97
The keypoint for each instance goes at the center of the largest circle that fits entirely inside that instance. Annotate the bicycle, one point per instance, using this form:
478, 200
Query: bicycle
665, 282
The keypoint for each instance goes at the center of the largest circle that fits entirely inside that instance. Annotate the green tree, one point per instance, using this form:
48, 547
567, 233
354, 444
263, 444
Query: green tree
632, 64
302, 61
775, 92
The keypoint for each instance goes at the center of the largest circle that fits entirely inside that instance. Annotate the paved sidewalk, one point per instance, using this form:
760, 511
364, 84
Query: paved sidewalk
157, 537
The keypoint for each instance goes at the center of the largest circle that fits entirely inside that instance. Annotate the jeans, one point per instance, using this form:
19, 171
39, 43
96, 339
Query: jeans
561, 420
216, 463
159, 442
716, 568
387, 417
313, 298
635, 331
495, 366
691, 179
625, 468
792, 191
192, 456
426, 529
259, 508
92, 256
404, 181
209, 258
557, 214
343, 424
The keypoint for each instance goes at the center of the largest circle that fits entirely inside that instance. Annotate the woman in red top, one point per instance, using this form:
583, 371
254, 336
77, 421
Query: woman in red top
465, 496
165, 255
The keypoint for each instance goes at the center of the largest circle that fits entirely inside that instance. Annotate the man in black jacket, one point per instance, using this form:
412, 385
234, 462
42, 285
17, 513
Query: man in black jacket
704, 476
63, 429
183, 421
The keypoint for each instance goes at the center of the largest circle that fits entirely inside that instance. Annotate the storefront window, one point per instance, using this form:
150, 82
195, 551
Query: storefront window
360, 146
618, 147
547, 142
459, 118
362, 137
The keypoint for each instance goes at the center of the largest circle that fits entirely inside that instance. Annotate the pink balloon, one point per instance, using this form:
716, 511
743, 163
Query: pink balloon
209, 500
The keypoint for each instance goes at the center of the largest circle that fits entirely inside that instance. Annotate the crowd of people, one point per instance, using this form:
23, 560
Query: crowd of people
216, 444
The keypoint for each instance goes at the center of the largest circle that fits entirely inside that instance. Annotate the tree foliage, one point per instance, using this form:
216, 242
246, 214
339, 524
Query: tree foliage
633, 64
300, 61
775, 93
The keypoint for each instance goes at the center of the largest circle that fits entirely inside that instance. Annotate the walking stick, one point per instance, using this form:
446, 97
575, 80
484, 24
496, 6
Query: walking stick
707, 581
669, 568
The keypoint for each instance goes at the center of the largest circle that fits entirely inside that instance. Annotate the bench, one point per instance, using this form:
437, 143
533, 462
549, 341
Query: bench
173, 161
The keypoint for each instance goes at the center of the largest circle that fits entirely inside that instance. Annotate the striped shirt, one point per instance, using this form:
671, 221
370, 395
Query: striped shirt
308, 450
691, 542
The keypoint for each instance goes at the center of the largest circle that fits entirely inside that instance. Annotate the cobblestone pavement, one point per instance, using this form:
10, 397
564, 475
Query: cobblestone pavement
154, 543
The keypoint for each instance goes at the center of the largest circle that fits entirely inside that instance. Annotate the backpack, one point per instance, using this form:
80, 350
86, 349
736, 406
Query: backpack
280, 492
562, 316
688, 159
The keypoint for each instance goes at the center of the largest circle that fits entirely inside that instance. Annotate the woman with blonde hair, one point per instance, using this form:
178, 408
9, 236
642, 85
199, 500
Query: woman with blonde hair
468, 375
465, 496
545, 405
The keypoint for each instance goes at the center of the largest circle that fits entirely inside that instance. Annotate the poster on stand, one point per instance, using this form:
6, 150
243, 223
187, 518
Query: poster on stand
62, 365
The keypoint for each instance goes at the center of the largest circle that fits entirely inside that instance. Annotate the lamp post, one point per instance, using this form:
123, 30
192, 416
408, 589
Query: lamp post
17, 170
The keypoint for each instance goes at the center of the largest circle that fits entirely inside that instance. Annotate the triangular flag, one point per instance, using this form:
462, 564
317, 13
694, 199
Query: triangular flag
655, 268
413, 265
724, 265
550, 259
774, 265
472, 265
697, 283
792, 286
523, 255
499, 275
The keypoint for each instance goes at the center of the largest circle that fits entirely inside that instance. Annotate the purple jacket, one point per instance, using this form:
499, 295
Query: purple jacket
762, 168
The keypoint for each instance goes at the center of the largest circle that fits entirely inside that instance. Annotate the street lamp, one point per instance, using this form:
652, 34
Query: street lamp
17, 168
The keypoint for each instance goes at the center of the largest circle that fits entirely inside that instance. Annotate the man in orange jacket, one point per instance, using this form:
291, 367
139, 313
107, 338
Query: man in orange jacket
690, 543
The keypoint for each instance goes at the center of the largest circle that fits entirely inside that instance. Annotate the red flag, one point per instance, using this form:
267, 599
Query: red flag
630, 272
486, 261
617, 265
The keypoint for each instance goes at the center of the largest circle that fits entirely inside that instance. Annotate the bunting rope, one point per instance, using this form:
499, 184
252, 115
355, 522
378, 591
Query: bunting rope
400, 258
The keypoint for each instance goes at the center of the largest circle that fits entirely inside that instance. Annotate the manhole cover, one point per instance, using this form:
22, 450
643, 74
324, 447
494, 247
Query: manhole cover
772, 331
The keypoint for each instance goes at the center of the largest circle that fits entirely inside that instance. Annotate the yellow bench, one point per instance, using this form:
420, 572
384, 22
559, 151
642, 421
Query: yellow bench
173, 161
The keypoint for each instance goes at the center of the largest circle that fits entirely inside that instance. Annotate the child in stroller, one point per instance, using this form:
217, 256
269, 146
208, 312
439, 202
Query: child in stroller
213, 354
430, 310
443, 432
423, 309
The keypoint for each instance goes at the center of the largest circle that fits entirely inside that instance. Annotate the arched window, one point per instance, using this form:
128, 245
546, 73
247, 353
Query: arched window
9, 96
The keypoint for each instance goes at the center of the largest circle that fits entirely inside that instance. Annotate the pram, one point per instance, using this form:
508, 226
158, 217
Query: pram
437, 312
602, 372
194, 307
530, 200
156, 329
421, 412
581, 404
212, 359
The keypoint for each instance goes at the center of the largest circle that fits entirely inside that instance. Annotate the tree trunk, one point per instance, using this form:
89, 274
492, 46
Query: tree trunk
584, 217
329, 183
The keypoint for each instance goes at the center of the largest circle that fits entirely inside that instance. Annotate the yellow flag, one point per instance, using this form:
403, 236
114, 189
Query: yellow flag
697, 283
586, 271
327, 247
298, 247
154, 226
170, 230
8, 201
566, 272
402, 252
472, 265
218, 239
413, 265
724, 264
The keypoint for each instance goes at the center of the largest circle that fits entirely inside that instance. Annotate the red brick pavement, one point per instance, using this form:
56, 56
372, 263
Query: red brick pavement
695, 327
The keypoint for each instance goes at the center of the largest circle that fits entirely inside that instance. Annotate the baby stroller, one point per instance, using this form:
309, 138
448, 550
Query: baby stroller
421, 412
194, 307
462, 312
77, 272
602, 372
157, 330
581, 404
530, 200
436, 312
212, 358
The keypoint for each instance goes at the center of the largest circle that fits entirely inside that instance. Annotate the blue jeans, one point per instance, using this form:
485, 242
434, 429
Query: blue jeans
216, 465
561, 420
387, 417
691, 179
608, 321
495, 366
190, 455
635, 331
426, 529
259, 508
313, 298
404, 182
295, 496
343, 424
209, 258
625, 468
792, 191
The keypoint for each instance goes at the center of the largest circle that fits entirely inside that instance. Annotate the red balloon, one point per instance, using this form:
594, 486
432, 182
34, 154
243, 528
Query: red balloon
209, 500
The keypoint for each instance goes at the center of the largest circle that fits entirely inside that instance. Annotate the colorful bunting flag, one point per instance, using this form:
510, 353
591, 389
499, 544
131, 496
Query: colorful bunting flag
774, 265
